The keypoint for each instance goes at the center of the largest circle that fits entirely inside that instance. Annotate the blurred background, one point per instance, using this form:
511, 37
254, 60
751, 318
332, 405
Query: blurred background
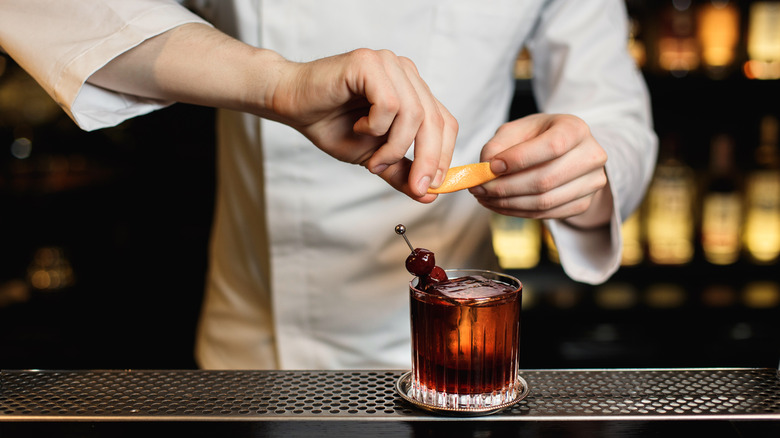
104, 235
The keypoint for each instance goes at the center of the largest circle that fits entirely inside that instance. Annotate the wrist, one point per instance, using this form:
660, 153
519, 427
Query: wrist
263, 74
598, 214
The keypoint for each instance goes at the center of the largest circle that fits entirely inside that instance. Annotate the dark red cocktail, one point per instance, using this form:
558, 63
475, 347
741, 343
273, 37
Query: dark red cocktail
465, 339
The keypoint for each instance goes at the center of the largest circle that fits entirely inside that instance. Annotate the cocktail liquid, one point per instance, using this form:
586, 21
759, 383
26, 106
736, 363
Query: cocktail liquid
465, 339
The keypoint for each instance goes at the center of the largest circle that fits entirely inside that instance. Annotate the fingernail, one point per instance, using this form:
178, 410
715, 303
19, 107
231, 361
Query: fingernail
478, 191
379, 169
498, 166
423, 184
439, 178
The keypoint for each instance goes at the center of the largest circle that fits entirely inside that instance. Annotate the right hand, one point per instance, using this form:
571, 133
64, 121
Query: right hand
364, 107
367, 107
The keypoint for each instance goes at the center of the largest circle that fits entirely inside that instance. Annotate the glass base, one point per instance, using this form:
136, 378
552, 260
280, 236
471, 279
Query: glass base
442, 399
461, 405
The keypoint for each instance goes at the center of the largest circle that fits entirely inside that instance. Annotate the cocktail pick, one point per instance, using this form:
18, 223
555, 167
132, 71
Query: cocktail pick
400, 229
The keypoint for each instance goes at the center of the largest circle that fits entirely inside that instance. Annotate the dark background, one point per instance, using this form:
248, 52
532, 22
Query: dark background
131, 208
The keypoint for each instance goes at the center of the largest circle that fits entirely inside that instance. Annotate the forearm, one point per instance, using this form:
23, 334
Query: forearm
363, 107
196, 64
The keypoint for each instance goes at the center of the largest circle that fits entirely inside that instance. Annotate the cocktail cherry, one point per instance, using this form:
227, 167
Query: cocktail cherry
421, 262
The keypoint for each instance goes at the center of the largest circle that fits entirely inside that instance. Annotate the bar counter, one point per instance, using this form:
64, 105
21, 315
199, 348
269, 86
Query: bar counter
718, 402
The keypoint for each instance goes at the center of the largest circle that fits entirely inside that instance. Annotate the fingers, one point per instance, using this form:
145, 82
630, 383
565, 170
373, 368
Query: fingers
569, 199
423, 125
552, 167
533, 140
397, 175
397, 110
449, 133
405, 112
369, 107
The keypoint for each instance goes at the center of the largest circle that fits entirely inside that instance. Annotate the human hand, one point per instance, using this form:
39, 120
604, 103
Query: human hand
367, 107
550, 167
364, 107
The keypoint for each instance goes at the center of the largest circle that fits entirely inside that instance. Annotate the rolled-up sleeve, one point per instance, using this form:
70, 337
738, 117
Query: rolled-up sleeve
582, 67
61, 43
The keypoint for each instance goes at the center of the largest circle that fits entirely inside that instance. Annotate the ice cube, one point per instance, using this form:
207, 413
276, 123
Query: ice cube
471, 287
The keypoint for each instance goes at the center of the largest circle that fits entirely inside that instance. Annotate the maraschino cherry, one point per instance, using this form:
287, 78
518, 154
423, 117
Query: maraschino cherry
421, 262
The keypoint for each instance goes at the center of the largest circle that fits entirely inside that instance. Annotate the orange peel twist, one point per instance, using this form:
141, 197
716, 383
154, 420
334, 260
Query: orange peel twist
464, 177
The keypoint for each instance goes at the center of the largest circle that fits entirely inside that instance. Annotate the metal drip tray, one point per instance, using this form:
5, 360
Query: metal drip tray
583, 395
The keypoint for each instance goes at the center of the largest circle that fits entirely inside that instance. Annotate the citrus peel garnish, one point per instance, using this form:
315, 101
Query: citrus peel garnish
464, 177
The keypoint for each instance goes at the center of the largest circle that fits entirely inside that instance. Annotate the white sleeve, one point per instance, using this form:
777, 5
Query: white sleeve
61, 43
582, 67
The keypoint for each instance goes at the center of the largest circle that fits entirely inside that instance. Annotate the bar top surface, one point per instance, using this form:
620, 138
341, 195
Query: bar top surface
558, 395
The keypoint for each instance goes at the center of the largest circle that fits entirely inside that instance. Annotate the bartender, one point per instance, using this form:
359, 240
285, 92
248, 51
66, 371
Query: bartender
313, 97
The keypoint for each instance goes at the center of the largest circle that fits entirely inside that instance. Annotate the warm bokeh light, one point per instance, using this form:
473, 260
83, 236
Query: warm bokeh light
50, 269
718, 32
763, 41
516, 241
616, 296
678, 49
633, 251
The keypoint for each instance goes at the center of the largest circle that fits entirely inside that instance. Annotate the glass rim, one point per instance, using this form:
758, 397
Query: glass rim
492, 275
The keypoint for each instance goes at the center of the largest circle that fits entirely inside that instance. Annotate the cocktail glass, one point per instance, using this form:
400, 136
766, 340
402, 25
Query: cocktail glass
465, 346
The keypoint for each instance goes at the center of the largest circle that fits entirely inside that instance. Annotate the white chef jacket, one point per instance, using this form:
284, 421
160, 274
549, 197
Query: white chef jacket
305, 269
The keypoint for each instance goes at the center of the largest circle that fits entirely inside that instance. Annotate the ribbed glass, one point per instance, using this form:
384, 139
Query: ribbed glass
465, 350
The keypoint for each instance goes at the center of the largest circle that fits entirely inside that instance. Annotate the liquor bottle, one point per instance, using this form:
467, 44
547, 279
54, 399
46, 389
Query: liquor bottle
678, 48
524, 65
718, 33
762, 216
631, 230
637, 47
763, 41
549, 242
721, 220
516, 241
670, 214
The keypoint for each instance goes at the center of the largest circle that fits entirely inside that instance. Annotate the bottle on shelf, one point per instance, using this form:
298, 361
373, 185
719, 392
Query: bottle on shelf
677, 45
722, 210
718, 33
633, 251
761, 236
524, 65
763, 41
516, 241
669, 212
637, 45
549, 242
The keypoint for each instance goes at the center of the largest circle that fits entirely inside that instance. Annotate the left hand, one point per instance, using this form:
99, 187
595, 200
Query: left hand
550, 167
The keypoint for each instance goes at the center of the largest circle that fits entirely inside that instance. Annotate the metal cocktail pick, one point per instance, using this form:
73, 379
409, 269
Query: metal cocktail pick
400, 229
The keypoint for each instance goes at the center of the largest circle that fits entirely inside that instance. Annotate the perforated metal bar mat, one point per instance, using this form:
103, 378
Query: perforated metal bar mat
310, 395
